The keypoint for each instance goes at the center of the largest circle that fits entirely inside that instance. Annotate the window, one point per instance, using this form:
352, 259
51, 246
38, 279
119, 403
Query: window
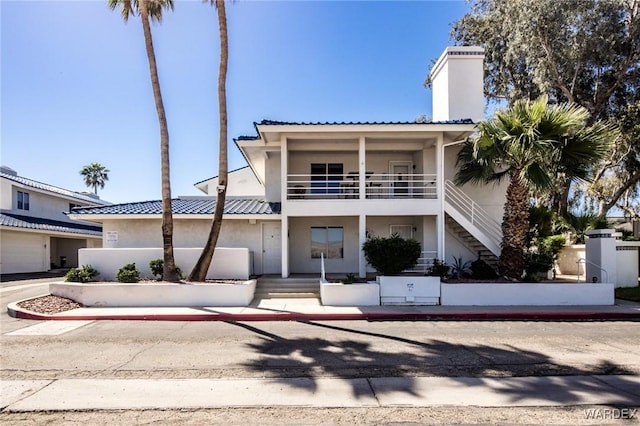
23, 200
326, 177
328, 240
403, 231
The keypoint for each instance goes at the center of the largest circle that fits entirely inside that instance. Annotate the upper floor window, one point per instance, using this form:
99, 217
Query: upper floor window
23, 200
326, 178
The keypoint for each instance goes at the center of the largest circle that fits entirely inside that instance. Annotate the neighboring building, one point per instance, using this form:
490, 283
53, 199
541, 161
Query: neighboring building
313, 188
35, 233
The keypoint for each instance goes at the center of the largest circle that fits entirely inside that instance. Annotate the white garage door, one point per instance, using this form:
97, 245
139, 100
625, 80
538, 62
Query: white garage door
23, 252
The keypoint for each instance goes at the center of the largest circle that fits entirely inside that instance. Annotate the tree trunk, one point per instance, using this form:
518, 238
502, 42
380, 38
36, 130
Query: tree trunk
169, 272
515, 224
199, 272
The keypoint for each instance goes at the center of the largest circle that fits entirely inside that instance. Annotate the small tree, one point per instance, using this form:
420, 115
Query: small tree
391, 256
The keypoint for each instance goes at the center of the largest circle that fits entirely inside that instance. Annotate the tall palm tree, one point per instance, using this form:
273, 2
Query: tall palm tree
152, 10
530, 143
199, 271
95, 175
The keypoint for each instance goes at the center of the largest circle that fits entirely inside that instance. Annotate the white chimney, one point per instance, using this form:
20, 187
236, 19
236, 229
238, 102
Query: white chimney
457, 84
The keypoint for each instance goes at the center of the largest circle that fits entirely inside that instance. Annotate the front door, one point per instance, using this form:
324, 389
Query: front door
271, 248
400, 176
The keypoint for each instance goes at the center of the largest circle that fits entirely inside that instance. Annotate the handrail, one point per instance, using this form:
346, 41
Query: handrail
585, 261
425, 261
377, 185
473, 212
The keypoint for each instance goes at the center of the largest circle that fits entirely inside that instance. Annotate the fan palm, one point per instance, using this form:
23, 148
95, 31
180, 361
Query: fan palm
95, 175
199, 271
152, 10
530, 144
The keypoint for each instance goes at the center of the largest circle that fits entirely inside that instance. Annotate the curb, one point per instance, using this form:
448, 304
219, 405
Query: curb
15, 311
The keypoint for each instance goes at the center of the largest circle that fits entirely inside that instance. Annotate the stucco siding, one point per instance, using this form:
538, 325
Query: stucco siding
490, 197
300, 245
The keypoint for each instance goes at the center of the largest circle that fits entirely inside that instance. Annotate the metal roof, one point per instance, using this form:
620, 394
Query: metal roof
361, 123
46, 187
27, 222
186, 205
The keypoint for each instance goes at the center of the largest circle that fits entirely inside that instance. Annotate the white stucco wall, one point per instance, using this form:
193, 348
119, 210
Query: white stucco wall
146, 233
227, 263
272, 178
458, 84
490, 197
242, 183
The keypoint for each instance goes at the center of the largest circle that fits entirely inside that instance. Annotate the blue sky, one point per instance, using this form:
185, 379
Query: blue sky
75, 81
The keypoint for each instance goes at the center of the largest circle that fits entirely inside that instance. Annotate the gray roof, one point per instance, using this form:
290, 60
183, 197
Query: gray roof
187, 205
46, 187
27, 222
360, 123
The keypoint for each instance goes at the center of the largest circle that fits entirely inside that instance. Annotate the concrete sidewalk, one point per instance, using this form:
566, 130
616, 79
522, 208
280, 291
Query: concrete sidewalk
132, 394
311, 309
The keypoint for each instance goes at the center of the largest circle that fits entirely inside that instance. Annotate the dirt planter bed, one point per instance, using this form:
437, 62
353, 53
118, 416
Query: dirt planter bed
157, 294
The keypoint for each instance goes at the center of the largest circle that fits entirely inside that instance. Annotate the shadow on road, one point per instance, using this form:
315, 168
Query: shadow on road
282, 358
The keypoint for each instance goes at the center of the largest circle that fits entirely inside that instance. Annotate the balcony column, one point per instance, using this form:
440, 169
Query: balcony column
284, 171
440, 222
284, 177
362, 237
362, 168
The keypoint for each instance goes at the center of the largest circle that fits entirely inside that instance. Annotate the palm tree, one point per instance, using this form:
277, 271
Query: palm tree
152, 10
95, 175
199, 271
530, 144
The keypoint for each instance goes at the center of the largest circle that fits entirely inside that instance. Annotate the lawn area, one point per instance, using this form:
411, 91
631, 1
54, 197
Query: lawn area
628, 293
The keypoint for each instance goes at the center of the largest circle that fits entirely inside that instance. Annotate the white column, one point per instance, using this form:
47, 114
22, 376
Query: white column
440, 222
284, 171
362, 167
601, 256
285, 246
362, 237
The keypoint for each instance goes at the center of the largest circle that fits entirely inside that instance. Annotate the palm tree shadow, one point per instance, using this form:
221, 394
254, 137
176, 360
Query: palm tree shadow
473, 365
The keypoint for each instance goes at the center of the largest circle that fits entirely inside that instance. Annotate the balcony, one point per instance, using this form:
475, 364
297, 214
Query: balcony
377, 185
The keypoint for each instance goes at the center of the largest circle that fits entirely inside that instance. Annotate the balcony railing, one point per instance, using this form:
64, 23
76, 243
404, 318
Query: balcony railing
377, 185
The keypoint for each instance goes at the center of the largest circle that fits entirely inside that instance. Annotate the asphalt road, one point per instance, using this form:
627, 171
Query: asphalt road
347, 349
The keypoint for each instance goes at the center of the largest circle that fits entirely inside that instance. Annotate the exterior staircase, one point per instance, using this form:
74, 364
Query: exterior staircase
471, 242
472, 225
272, 287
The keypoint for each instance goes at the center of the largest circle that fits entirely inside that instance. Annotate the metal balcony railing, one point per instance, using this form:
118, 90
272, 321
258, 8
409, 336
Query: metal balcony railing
377, 186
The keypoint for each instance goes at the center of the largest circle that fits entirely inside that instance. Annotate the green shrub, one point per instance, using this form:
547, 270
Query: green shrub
81, 275
391, 256
157, 268
128, 274
438, 269
481, 270
460, 268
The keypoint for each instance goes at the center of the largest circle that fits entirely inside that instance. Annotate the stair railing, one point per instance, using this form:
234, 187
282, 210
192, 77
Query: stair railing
472, 211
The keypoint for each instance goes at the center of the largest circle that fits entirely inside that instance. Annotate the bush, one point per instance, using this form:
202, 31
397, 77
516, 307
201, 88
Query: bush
81, 275
157, 268
128, 274
459, 268
438, 269
391, 256
481, 270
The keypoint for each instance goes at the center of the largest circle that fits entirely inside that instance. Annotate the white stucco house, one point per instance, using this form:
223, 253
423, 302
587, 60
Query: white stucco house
311, 188
35, 233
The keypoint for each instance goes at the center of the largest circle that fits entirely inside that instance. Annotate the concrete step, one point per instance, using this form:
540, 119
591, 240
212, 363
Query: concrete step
283, 295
